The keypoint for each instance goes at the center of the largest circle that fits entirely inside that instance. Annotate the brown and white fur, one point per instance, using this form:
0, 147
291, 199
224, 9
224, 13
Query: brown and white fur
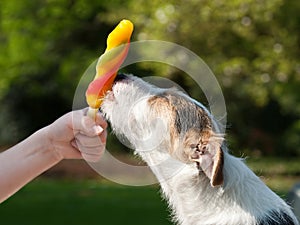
180, 141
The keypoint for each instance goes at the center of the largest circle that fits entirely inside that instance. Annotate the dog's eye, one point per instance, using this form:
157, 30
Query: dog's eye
194, 146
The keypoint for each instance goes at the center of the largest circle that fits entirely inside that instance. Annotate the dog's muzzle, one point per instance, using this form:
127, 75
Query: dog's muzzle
121, 77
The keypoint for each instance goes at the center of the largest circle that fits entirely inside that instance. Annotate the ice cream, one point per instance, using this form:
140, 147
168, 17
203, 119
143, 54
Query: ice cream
108, 64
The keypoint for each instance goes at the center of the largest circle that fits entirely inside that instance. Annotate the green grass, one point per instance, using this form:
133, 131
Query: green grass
275, 166
95, 202
280, 174
57, 202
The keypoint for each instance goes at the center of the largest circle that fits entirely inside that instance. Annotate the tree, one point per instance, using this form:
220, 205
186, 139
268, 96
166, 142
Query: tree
45, 48
252, 47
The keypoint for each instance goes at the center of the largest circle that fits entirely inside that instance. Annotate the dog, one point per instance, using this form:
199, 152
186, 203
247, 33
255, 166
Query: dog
181, 142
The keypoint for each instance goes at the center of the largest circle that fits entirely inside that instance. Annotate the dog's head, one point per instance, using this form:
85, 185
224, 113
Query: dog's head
156, 119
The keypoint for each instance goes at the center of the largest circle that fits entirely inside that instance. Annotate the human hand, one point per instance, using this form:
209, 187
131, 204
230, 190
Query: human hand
75, 136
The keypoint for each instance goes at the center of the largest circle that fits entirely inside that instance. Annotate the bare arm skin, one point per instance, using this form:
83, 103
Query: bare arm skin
72, 136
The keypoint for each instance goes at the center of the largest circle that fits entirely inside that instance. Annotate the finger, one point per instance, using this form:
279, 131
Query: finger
103, 136
91, 154
91, 150
101, 121
77, 120
91, 158
90, 128
84, 124
88, 141
99, 118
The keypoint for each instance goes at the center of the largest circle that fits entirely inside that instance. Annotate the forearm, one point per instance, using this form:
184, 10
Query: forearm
72, 136
23, 162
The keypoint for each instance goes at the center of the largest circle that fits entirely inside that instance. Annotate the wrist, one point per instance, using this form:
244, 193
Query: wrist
49, 143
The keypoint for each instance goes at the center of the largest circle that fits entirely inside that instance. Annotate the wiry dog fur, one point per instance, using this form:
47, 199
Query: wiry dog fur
180, 141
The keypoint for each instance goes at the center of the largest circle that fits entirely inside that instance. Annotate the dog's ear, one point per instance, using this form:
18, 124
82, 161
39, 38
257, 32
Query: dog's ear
210, 157
212, 164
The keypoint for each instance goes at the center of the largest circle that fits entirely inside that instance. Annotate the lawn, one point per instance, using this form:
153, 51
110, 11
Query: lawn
89, 202
280, 174
81, 201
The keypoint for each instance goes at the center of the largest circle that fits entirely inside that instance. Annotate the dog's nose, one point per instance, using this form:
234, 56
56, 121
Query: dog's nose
121, 77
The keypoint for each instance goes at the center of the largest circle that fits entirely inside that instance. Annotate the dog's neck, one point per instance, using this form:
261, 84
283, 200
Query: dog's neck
156, 122
190, 194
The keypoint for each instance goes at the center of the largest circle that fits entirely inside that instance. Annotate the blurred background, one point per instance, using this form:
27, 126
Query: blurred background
252, 46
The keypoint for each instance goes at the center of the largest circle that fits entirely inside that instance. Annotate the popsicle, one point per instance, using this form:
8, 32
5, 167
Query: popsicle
108, 65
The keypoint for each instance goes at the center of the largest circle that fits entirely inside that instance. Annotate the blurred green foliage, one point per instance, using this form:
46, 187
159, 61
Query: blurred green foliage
252, 46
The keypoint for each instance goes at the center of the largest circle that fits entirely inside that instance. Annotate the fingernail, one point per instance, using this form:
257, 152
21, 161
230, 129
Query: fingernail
98, 129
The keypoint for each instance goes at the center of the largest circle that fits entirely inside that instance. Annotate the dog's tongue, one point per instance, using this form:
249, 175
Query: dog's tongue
108, 64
